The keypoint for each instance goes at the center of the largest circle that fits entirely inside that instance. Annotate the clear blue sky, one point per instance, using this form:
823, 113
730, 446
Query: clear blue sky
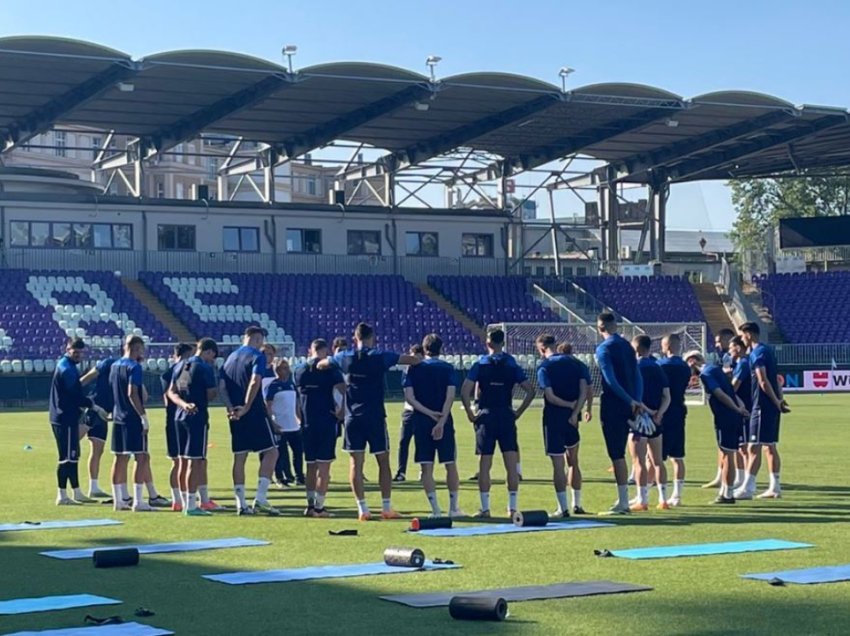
795, 50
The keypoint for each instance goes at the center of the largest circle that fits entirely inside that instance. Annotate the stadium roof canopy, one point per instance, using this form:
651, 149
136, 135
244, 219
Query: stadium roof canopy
645, 134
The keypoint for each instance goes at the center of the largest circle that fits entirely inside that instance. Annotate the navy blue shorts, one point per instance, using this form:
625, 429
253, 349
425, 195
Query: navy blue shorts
173, 439
427, 448
496, 426
192, 436
558, 434
361, 432
728, 432
764, 427
615, 429
320, 441
98, 429
252, 433
67, 437
129, 439
673, 444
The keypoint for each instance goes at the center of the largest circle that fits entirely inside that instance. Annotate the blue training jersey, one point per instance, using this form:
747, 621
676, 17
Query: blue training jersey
191, 379
122, 375
744, 377
654, 382
763, 357
239, 367
621, 381
496, 375
364, 371
563, 374
430, 380
102, 388
316, 392
713, 377
66, 393
678, 379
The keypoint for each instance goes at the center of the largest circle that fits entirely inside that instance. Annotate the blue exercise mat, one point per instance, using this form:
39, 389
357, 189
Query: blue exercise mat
159, 548
705, 549
54, 525
50, 603
806, 576
508, 528
322, 572
122, 629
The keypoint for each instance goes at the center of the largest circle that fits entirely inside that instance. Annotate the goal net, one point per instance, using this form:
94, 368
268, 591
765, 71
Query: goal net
520, 340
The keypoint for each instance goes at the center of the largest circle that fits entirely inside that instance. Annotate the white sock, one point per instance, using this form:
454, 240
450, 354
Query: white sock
774, 482
739, 478
139, 494
320, 501
192, 501
719, 474
386, 505
512, 497
239, 491
662, 492
78, 494
362, 507
311, 498
435, 505
93, 486
117, 499
643, 494
750, 482
678, 487
576, 497
623, 496
152, 493
204, 493
562, 500
453, 497
175, 495
125, 494
519, 468
485, 500
263, 489
61, 494
184, 498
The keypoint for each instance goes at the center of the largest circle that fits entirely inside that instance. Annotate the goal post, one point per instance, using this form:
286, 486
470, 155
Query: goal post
520, 341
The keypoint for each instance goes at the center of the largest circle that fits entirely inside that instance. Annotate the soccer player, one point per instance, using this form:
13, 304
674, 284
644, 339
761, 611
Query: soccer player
192, 387
430, 389
727, 410
768, 405
495, 375
656, 397
673, 442
622, 388
250, 428
743, 384
564, 386
181, 351
98, 428
280, 397
320, 415
67, 402
364, 369
406, 431
721, 357
130, 430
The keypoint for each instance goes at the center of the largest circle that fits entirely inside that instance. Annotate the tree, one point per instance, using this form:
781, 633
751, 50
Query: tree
760, 203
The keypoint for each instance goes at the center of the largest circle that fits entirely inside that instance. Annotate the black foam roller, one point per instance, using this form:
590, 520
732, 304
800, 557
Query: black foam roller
531, 518
426, 523
477, 608
115, 558
404, 557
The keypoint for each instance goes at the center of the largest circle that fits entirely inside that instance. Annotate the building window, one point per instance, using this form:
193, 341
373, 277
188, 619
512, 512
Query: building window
60, 234
304, 241
83, 235
581, 271
61, 139
311, 186
422, 243
212, 167
20, 231
477, 245
95, 146
160, 190
176, 237
241, 239
364, 242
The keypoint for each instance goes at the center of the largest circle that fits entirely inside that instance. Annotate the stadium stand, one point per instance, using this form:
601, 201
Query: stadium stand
793, 299
492, 299
301, 307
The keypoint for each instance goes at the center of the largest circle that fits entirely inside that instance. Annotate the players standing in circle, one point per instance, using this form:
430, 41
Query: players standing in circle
280, 397
622, 388
320, 415
192, 387
768, 405
564, 386
67, 402
728, 411
98, 428
364, 369
742, 382
430, 389
673, 443
495, 375
647, 449
130, 430
181, 351
240, 387
405, 434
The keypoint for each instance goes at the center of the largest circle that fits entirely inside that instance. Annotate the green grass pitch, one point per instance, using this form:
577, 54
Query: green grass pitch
691, 596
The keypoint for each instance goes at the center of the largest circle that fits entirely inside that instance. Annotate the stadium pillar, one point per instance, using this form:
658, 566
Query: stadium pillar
609, 214
658, 193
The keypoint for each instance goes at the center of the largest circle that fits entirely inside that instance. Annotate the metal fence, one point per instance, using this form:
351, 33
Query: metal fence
813, 355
